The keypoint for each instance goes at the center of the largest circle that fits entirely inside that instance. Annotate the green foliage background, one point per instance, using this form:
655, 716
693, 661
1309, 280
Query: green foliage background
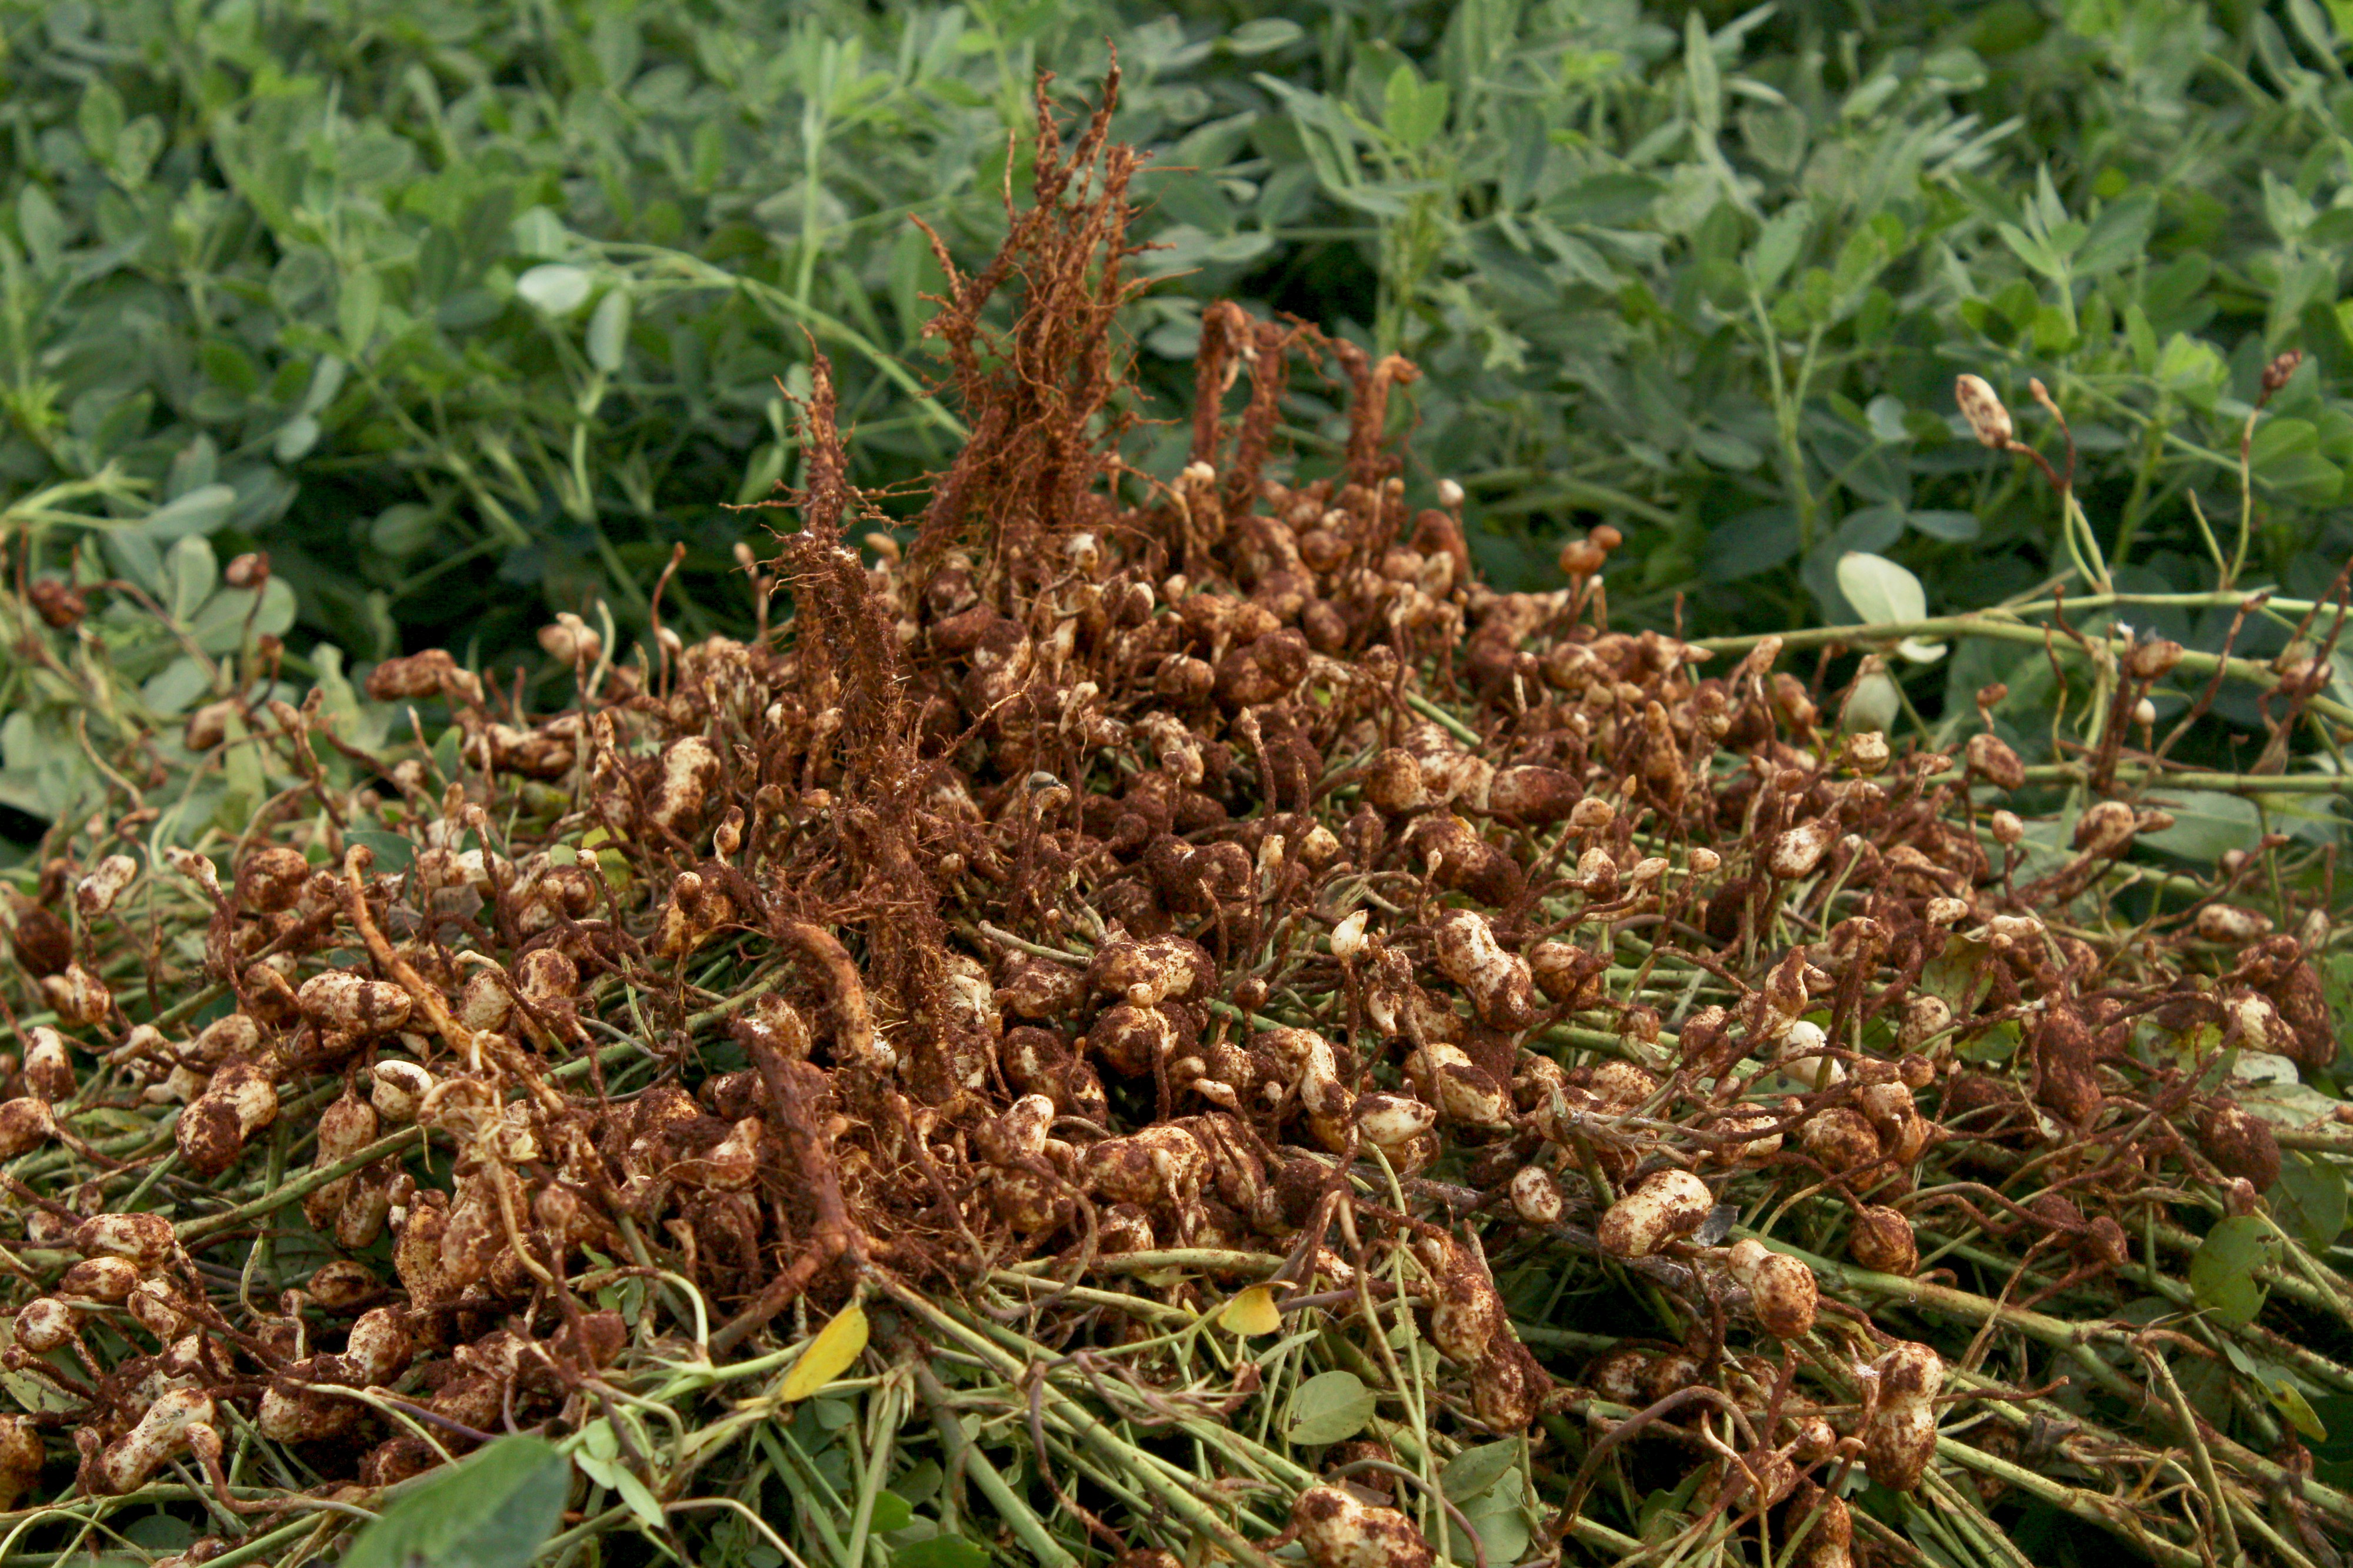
466, 311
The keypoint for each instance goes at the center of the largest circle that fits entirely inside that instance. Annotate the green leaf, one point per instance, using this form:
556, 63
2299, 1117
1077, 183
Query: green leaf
492, 1510
1700, 71
1777, 245
357, 306
1329, 1407
228, 366
1997, 1044
2205, 825
1503, 1530
556, 288
193, 570
940, 1551
1870, 527
1775, 134
2191, 369
172, 690
161, 1533
2309, 1200
2140, 337
1472, 1471
2035, 252
609, 332
295, 439
136, 557
1263, 34
1957, 975
2119, 235
760, 473
201, 510
1954, 527
2222, 1271
100, 119
326, 380
599, 1458
1874, 702
2207, 1385
2336, 988
244, 782
1749, 543
639, 1497
1413, 111
891, 1512
394, 852
136, 149
221, 625
539, 232
403, 528
42, 228
2313, 24
2285, 455
1881, 593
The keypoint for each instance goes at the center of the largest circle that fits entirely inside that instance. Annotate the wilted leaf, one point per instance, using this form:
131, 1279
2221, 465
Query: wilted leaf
2290, 1402
834, 1348
1252, 1311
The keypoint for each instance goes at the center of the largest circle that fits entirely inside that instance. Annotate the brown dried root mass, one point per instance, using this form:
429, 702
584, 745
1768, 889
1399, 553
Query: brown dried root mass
1162, 881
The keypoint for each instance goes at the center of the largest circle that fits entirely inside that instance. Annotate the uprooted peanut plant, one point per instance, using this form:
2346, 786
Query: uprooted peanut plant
1162, 1020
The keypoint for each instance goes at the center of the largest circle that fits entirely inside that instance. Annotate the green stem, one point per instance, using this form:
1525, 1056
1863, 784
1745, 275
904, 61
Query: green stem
2137, 505
2091, 1507
2001, 628
296, 1190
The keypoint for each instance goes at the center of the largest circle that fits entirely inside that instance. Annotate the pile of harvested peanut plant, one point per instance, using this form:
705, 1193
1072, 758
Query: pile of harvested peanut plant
1162, 1021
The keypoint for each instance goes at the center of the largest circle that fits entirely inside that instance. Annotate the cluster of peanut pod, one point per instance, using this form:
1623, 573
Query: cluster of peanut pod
1195, 885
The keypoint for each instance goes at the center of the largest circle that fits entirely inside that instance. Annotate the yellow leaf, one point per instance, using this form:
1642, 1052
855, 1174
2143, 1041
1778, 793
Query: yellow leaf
1251, 1312
2292, 1404
828, 1355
